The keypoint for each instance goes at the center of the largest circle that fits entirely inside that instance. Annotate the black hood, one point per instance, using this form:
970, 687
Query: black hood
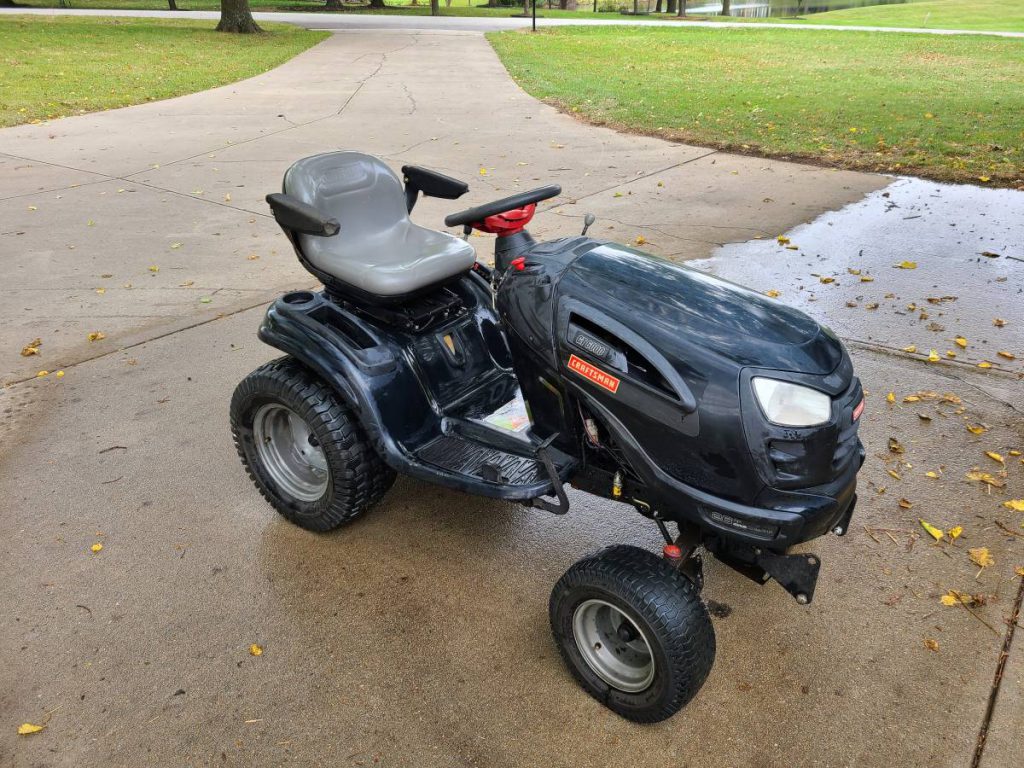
667, 302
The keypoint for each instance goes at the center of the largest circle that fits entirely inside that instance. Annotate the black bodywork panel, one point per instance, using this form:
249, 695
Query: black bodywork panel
659, 355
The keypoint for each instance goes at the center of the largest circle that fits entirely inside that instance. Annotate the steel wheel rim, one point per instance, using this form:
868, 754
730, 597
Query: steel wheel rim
290, 452
613, 646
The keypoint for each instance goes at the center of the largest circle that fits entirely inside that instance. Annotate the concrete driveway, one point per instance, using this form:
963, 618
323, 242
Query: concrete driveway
418, 636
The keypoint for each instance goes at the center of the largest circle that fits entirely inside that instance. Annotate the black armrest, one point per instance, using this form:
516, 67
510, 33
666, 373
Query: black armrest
431, 184
296, 216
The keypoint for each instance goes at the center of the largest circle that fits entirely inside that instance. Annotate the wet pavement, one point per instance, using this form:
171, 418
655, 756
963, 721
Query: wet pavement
418, 635
915, 264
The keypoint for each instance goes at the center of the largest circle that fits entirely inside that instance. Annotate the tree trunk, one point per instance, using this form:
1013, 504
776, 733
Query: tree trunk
682, 8
526, 7
235, 16
725, 8
657, 7
670, 6
435, 8
171, 5
377, 4
333, 5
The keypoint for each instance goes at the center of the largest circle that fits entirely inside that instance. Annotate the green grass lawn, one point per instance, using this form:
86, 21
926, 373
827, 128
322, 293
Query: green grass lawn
60, 66
996, 15
942, 107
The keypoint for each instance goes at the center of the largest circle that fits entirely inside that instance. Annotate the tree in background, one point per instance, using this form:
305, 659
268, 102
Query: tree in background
235, 16
725, 8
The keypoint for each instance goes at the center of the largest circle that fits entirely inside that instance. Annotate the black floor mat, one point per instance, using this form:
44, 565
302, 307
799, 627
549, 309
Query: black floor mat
477, 461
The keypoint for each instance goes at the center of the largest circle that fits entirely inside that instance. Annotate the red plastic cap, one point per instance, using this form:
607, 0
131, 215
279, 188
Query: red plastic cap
518, 263
507, 223
672, 552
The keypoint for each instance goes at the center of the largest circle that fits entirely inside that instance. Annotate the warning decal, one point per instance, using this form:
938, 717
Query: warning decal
596, 375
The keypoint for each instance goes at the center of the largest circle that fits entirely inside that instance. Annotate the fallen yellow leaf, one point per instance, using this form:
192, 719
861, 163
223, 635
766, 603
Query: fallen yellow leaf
894, 473
97, 336
984, 477
27, 729
995, 456
891, 397
640, 239
827, 280
32, 348
772, 294
976, 430
912, 348
980, 557
950, 598
42, 373
984, 364
961, 342
955, 531
933, 356
998, 322
906, 265
932, 475
1007, 355
257, 650
932, 645
934, 532
1017, 505
905, 503
97, 547
783, 240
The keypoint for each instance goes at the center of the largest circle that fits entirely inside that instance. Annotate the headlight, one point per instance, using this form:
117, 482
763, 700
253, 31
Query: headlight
791, 405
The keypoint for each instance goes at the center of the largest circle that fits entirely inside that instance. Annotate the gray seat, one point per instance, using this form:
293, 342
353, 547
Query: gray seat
378, 250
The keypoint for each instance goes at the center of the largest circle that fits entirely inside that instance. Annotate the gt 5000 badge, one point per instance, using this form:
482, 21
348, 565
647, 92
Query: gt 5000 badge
596, 375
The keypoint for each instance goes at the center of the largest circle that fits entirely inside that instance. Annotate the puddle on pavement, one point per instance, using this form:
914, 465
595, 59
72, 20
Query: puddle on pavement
968, 247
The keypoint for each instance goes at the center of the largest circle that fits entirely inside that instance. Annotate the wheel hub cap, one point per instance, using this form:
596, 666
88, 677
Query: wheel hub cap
290, 452
613, 646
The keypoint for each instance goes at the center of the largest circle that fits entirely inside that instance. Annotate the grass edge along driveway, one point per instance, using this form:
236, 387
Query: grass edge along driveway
946, 108
60, 66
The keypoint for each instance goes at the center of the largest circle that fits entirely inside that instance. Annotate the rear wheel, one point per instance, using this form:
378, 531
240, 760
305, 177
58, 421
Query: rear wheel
633, 631
304, 448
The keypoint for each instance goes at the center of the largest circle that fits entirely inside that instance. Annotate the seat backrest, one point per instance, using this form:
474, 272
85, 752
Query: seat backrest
360, 191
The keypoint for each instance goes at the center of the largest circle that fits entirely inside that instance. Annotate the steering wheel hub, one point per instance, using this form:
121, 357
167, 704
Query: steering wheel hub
509, 222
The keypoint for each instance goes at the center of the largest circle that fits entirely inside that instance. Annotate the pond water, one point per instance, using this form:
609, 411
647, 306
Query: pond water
765, 8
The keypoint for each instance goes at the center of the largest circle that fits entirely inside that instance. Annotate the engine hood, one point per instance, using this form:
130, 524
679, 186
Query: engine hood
680, 306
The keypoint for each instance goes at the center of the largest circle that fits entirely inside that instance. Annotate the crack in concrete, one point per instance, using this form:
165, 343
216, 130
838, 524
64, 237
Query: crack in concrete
997, 679
638, 177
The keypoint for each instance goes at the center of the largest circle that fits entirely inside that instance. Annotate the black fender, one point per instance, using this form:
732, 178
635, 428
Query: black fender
376, 377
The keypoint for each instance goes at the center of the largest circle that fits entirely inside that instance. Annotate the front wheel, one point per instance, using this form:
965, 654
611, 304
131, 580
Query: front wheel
304, 448
633, 631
